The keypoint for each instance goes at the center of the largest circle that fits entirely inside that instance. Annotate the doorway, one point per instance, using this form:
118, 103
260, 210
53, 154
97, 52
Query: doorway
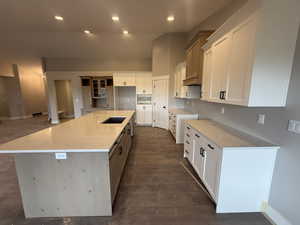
64, 98
160, 98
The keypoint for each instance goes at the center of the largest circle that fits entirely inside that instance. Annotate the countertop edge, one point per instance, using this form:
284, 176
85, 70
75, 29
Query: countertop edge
227, 147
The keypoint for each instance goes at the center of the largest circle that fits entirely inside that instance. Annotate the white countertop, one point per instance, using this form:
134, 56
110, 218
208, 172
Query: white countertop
179, 111
224, 136
85, 134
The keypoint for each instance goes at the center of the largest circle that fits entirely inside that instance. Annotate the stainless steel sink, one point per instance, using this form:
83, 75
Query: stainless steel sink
115, 119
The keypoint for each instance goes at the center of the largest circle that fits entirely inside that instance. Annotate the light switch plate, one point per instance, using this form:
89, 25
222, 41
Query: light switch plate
61, 155
261, 119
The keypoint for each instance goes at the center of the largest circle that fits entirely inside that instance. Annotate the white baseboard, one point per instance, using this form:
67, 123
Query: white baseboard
54, 121
273, 215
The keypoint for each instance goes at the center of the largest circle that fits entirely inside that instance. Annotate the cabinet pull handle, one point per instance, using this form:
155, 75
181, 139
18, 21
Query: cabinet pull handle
121, 150
187, 142
211, 147
197, 135
202, 152
186, 152
188, 135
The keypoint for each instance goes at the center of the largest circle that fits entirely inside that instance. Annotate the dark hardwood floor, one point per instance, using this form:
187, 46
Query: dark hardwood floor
155, 188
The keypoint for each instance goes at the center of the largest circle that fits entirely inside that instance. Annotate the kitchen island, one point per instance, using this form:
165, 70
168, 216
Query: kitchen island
74, 168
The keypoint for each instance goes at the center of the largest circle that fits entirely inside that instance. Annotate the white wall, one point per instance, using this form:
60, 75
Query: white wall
168, 51
284, 197
25, 92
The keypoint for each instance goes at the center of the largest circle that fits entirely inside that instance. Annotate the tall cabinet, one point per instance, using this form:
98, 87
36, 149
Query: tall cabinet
144, 98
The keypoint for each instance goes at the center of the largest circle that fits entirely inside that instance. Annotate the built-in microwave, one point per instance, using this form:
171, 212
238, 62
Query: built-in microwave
144, 99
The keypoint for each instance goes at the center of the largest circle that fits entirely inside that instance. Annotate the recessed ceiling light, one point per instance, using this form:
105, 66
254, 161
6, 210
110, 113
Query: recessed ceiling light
87, 31
59, 18
125, 31
115, 18
170, 18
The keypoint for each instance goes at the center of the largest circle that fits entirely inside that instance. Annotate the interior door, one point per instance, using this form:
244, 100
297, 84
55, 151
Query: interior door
160, 103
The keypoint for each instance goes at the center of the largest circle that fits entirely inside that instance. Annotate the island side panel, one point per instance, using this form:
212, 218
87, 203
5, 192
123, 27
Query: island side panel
77, 186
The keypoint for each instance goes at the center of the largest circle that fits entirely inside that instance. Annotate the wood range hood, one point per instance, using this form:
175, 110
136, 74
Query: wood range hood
194, 59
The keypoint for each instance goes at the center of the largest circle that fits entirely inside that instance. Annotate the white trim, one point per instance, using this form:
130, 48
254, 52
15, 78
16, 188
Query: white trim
53, 151
54, 121
273, 215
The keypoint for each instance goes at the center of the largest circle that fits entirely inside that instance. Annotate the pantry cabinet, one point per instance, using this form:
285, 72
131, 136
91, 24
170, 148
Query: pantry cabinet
250, 64
123, 79
143, 83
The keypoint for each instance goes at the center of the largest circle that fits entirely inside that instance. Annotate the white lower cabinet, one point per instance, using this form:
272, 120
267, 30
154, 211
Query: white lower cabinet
144, 114
176, 123
236, 169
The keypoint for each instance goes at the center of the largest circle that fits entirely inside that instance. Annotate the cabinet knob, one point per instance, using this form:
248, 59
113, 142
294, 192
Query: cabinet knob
197, 135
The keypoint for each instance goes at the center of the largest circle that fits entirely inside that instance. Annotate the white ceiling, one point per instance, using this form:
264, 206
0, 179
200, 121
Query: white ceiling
29, 25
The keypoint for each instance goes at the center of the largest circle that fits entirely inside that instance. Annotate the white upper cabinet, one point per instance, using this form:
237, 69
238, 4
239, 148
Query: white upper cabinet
240, 68
143, 83
124, 79
207, 71
248, 61
219, 68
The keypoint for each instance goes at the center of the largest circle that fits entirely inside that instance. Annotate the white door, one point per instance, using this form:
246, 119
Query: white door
206, 75
199, 159
124, 79
140, 114
239, 72
221, 51
160, 103
144, 83
211, 170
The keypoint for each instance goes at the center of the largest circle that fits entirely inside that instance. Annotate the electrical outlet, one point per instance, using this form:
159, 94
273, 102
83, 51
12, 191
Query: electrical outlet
294, 126
222, 110
261, 119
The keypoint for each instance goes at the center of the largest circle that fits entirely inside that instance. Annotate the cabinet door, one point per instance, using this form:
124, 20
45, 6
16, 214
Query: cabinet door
206, 80
220, 61
148, 114
139, 81
241, 61
197, 59
144, 83
189, 63
124, 79
140, 114
199, 159
211, 169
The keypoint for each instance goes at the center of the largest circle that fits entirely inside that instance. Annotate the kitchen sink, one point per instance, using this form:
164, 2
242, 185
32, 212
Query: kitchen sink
114, 119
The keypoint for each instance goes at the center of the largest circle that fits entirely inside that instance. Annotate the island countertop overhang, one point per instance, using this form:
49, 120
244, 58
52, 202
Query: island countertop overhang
85, 134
